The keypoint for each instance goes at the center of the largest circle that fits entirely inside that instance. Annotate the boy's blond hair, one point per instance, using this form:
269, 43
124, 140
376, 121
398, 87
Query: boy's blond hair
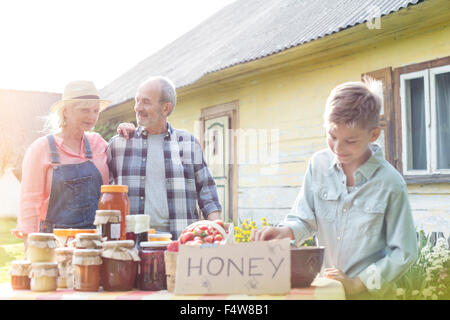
355, 104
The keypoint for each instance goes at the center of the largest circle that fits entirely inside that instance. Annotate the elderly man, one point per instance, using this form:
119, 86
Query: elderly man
163, 167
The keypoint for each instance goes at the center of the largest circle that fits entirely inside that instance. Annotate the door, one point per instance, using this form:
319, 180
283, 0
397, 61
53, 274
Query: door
217, 154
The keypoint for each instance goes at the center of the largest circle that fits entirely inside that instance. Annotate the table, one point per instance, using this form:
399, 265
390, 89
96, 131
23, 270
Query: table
320, 289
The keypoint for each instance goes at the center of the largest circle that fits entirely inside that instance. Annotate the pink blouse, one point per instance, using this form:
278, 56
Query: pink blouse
37, 177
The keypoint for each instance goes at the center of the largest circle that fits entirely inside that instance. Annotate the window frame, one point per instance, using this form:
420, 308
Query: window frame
397, 122
433, 112
405, 143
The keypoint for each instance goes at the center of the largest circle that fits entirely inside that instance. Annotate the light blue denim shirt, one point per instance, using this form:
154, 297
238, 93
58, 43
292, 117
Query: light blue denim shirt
368, 232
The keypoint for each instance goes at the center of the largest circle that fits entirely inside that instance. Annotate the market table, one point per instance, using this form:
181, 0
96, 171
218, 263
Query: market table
320, 289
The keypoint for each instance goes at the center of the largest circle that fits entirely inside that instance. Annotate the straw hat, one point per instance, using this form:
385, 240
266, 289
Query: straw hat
80, 91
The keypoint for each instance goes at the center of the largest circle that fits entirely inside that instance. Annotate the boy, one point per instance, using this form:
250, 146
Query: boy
354, 200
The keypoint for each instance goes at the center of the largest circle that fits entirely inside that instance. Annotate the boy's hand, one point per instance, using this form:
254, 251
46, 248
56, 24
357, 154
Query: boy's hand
269, 233
352, 286
125, 128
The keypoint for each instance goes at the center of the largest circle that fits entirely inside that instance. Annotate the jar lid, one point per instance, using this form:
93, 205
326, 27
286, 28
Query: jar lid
86, 252
71, 232
41, 236
88, 236
105, 216
44, 265
137, 223
154, 244
20, 263
138, 218
20, 267
114, 188
118, 243
160, 235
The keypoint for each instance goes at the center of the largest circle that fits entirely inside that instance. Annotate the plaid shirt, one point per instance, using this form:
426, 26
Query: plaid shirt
188, 178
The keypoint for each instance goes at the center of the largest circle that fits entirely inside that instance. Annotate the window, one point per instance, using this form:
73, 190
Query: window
415, 119
425, 104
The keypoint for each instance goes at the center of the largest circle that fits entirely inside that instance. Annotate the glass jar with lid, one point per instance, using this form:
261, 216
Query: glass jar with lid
120, 263
137, 228
86, 269
64, 258
20, 274
108, 224
43, 276
88, 241
152, 271
115, 197
41, 247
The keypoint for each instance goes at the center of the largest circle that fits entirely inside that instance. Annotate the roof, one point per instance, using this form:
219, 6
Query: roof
22, 127
244, 31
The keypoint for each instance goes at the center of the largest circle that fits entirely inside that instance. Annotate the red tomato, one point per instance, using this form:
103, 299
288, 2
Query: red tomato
186, 237
218, 237
209, 239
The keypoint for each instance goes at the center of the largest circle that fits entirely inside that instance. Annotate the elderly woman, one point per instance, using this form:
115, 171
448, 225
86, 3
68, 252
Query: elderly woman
63, 172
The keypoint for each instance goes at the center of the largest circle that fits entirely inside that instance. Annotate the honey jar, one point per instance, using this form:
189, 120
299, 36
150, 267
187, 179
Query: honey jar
86, 269
120, 263
65, 269
41, 247
115, 197
108, 224
43, 276
20, 272
152, 271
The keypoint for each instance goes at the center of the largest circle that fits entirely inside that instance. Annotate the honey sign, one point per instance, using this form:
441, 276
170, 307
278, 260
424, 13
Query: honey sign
237, 268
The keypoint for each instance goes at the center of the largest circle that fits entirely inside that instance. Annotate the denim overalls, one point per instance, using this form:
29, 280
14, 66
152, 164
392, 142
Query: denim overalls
75, 192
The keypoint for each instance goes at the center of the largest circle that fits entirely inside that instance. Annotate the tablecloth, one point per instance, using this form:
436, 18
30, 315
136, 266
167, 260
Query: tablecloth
320, 289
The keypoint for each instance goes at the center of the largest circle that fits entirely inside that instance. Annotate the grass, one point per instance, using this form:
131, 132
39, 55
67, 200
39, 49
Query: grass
11, 248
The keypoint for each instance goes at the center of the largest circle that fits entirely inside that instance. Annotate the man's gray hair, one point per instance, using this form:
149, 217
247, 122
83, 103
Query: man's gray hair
168, 91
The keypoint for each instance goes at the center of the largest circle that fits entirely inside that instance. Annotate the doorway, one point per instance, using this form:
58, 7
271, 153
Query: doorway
218, 138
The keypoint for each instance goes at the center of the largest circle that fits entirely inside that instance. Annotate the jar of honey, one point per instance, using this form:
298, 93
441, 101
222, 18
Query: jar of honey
115, 197
137, 228
120, 263
65, 269
86, 269
152, 271
108, 224
41, 247
20, 272
43, 276
88, 241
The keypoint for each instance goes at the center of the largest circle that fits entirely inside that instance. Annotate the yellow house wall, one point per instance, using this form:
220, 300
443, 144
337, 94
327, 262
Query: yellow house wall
292, 101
